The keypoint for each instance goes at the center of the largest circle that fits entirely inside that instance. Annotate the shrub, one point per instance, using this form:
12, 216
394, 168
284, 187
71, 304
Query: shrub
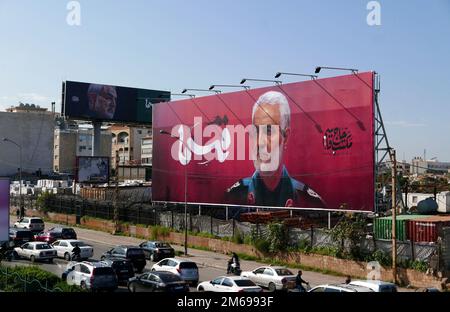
277, 237
262, 245
237, 237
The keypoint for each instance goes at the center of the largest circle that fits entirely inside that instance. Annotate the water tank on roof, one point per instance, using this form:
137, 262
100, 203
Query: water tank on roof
427, 206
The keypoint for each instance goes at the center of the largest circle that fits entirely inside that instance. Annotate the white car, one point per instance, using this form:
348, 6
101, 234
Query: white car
185, 269
340, 288
376, 286
64, 248
33, 224
272, 277
35, 251
91, 275
229, 284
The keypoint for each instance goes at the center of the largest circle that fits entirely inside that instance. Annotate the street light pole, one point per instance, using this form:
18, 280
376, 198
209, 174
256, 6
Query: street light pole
185, 190
22, 209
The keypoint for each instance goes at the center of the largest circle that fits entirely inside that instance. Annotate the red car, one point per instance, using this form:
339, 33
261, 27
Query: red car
48, 237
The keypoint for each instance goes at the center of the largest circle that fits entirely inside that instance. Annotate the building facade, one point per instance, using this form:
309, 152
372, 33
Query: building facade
146, 151
442, 199
33, 132
421, 166
71, 143
127, 143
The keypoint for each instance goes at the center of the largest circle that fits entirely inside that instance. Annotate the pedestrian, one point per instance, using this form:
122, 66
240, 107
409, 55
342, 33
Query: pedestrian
18, 213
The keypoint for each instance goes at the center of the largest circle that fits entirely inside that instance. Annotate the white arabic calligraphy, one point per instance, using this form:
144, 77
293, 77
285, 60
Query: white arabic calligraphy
185, 148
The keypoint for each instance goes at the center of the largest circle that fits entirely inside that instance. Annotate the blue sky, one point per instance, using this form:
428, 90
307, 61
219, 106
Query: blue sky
174, 44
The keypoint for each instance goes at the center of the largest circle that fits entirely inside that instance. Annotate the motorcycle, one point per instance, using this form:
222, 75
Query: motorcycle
76, 257
234, 268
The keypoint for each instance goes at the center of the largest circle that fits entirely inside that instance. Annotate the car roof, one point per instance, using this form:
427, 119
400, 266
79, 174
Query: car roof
33, 218
71, 240
38, 243
371, 282
353, 288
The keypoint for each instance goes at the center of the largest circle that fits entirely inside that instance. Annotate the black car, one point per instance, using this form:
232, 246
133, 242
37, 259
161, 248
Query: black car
123, 268
157, 281
63, 233
18, 237
134, 254
156, 250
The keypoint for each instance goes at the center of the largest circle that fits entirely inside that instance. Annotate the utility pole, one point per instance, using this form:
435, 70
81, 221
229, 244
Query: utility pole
116, 194
394, 216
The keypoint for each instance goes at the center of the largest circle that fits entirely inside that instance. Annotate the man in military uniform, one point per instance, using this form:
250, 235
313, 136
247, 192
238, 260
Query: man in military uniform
271, 184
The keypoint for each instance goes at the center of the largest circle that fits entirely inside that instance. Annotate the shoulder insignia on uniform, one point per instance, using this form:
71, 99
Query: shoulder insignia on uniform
312, 193
235, 185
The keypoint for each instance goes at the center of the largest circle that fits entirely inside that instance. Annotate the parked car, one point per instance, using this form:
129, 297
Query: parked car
45, 236
376, 286
34, 224
156, 250
229, 284
132, 253
63, 232
18, 237
64, 249
185, 269
91, 275
35, 251
123, 268
272, 277
157, 281
330, 288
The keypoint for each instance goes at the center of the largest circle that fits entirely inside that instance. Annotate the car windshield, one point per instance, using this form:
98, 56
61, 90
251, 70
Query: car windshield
80, 244
162, 245
244, 283
283, 272
43, 246
36, 221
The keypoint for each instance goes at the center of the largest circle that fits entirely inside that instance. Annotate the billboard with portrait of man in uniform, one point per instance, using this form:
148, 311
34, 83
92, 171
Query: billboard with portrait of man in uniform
305, 145
99, 102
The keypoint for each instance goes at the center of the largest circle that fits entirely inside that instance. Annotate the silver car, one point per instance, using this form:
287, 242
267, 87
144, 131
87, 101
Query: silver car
35, 251
272, 277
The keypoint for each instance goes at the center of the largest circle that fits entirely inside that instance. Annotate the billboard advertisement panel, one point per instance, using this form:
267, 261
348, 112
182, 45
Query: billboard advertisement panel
92, 169
4, 209
97, 102
300, 145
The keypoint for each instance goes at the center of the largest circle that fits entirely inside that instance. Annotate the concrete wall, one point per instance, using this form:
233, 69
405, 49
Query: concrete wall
34, 132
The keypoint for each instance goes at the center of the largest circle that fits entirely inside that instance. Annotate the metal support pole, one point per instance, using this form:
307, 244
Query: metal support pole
226, 213
329, 220
185, 211
96, 138
394, 216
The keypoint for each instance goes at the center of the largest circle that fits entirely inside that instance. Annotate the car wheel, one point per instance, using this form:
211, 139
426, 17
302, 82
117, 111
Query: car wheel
83, 285
67, 256
102, 258
15, 255
132, 288
32, 259
272, 287
201, 289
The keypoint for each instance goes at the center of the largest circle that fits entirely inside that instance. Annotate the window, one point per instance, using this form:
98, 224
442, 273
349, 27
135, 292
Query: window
268, 272
164, 262
414, 199
318, 289
85, 269
56, 156
154, 278
217, 281
227, 282
259, 271
63, 244
171, 263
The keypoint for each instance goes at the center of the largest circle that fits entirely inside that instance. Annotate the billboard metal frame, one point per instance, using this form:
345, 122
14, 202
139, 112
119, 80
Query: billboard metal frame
382, 150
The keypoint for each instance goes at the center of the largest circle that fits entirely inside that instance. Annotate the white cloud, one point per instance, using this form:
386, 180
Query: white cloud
404, 124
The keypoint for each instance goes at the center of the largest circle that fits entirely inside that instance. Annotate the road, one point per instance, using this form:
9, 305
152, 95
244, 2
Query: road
211, 265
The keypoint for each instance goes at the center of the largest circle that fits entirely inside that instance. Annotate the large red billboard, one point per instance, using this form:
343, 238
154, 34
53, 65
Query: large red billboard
301, 145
